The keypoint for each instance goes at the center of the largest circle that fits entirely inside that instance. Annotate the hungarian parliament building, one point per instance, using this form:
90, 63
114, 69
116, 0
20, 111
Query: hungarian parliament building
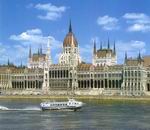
73, 76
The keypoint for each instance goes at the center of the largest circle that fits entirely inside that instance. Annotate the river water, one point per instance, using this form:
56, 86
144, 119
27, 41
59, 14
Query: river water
27, 115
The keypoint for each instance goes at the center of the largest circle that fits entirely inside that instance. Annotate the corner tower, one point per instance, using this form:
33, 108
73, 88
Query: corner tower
105, 56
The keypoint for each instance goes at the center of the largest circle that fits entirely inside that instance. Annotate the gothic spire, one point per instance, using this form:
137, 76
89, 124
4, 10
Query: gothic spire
94, 49
48, 55
101, 46
139, 56
108, 44
41, 50
8, 63
30, 52
70, 27
114, 47
126, 57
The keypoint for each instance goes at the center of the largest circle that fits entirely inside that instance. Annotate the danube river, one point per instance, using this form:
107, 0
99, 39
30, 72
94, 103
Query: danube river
106, 115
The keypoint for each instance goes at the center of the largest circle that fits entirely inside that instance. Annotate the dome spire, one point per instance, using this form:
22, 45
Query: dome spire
69, 38
70, 27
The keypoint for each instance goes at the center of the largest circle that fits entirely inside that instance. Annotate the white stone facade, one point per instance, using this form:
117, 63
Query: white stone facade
102, 57
102, 61
65, 57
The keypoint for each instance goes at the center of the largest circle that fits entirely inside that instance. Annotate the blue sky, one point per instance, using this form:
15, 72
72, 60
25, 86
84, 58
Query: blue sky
29, 22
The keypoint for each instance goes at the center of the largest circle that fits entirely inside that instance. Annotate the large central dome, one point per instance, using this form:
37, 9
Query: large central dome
70, 40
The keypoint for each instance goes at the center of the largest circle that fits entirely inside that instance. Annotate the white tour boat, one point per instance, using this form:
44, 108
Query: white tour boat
71, 104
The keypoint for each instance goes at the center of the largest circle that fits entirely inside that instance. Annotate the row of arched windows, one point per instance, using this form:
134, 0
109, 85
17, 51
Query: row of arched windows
99, 83
26, 84
58, 74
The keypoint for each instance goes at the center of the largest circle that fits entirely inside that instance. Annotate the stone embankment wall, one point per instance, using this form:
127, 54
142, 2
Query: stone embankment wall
91, 92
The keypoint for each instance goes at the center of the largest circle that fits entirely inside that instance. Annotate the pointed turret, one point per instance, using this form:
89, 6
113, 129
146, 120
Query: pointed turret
70, 27
101, 46
139, 56
48, 55
126, 57
41, 50
114, 47
30, 52
94, 49
108, 46
8, 63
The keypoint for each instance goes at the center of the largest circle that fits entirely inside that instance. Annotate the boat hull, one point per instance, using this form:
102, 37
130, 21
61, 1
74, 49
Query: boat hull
60, 109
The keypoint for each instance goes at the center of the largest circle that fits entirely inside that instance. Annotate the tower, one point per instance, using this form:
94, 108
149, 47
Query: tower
70, 43
104, 56
48, 54
48, 62
30, 57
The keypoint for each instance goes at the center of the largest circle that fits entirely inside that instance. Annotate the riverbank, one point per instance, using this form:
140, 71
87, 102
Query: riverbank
119, 98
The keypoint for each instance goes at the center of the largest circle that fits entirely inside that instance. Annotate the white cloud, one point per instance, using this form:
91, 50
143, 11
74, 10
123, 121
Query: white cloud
30, 36
108, 23
137, 22
134, 16
34, 31
131, 47
139, 27
35, 38
52, 12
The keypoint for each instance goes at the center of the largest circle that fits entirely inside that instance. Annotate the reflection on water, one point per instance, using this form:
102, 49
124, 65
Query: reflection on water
27, 115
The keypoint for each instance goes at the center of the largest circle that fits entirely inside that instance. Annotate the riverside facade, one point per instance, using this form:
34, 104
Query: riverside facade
73, 76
